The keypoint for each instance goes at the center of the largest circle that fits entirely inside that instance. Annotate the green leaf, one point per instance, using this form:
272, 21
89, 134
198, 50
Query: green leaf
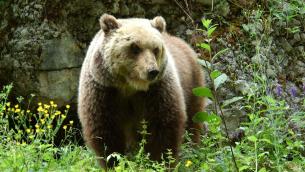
266, 140
205, 46
205, 117
213, 119
206, 23
200, 117
219, 53
204, 63
230, 101
220, 80
203, 92
252, 138
215, 74
245, 27
262, 170
211, 30
245, 167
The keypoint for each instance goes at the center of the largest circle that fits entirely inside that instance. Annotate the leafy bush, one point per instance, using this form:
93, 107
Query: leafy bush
24, 126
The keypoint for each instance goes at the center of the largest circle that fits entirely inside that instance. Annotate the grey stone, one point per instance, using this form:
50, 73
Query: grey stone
296, 22
302, 35
297, 37
242, 86
189, 32
300, 49
257, 59
271, 73
60, 86
61, 54
36, 54
115, 7
222, 8
38, 6
285, 44
233, 117
124, 10
24, 32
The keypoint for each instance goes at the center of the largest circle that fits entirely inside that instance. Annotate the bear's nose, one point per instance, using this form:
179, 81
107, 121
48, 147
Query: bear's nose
152, 74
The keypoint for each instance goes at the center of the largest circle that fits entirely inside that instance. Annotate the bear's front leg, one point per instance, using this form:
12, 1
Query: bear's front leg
105, 140
166, 120
97, 113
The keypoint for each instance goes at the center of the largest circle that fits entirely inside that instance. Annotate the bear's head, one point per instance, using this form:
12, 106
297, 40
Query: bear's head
132, 52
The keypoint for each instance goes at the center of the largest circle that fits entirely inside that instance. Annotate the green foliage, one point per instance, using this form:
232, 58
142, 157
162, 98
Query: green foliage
140, 161
25, 126
274, 135
203, 92
26, 139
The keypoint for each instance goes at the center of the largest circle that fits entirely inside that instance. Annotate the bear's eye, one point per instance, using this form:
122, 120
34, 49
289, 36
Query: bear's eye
156, 51
135, 49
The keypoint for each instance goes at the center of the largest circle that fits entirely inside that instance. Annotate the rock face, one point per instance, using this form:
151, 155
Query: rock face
43, 43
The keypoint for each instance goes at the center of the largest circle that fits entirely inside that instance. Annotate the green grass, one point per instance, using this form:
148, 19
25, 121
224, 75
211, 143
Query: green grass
45, 157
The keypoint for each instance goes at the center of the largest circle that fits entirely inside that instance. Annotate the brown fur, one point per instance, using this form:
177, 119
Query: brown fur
111, 105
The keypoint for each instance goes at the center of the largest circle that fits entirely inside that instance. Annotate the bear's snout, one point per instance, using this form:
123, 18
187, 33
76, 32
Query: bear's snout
152, 74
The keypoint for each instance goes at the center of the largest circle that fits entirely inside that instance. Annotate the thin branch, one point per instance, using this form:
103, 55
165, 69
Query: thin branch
186, 13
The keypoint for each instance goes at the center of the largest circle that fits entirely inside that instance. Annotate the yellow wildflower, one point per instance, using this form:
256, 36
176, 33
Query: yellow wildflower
64, 127
57, 113
40, 109
71, 122
16, 106
188, 163
39, 104
46, 106
37, 126
53, 116
28, 111
28, 130
68, 106
49, 126
54, 105
17, 110
38, 130
51, 102
42, 121
8, 104
47, 115
31, 136
63, 116
45, 111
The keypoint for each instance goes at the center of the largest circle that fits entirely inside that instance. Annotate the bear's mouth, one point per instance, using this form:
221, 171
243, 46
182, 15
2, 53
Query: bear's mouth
138, 84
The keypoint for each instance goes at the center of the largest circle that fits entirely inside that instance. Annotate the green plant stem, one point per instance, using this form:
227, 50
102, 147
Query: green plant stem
216, 104
256, 160
226, 129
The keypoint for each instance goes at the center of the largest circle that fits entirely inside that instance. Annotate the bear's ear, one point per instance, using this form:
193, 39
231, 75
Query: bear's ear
159, 23
108, 23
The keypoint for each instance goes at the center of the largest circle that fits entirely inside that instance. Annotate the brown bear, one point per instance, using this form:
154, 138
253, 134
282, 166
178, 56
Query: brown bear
135, 71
